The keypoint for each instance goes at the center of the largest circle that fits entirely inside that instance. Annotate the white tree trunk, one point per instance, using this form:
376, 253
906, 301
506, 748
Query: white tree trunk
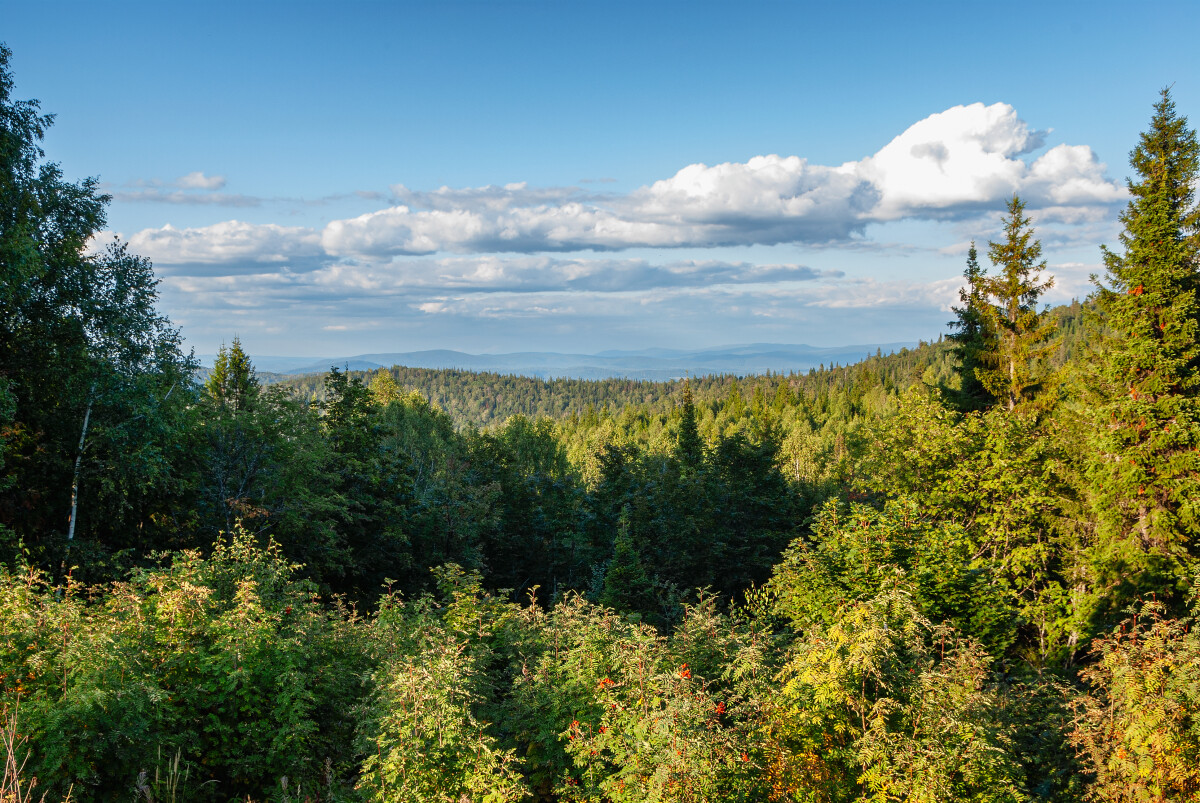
87, 416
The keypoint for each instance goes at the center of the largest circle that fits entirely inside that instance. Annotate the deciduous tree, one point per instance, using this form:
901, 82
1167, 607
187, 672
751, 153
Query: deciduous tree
97, 374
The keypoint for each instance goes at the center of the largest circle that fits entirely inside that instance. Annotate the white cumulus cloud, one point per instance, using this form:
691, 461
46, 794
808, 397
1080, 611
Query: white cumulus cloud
951, 164
956, 164
230, 242
969, 157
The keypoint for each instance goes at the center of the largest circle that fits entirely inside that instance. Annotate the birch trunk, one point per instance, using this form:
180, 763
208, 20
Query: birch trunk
87, 417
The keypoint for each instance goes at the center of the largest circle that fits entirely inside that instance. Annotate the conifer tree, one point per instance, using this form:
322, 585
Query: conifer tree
1145, 472
734, 405
233, 382
1017, 331
971, 335
218, 378
627, 585
688, 447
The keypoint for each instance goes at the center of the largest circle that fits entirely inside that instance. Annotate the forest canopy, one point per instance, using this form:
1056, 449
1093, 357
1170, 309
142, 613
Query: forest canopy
966, 571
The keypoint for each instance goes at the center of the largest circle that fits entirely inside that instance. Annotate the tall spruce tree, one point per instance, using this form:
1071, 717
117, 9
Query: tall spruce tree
233, 382
627, 585
689, 448
971, 336
1145, 468
1016, 329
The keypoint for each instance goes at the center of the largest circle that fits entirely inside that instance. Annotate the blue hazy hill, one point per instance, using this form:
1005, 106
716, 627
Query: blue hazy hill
650, 363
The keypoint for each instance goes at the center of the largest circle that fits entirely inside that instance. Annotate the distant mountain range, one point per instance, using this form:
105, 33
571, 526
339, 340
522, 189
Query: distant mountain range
651, 364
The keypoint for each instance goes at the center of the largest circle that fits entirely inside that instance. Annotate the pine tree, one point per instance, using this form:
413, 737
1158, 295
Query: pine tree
971, 335
1017, 331
1145, 472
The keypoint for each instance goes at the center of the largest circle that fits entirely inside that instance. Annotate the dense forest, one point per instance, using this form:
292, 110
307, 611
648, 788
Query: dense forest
966, 571
480, 399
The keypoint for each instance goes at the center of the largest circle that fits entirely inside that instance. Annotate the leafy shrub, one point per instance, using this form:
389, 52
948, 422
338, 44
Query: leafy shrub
855, 549
1137, 727
428, 743
225, 661
881, 705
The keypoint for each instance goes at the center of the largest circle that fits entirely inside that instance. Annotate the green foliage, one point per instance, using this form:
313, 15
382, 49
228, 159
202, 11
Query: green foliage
1015, 330
8, 406
80, 341
384, 389
663, 736
627, 586
597, 707
689, 449
559, 660
1144, 467
425, 741
536, 539
445, 509
972, 337
927, 635
612, 710
232, 382
856, 550
488, 400
880, 705
228, 662
1137, 726
1003, 479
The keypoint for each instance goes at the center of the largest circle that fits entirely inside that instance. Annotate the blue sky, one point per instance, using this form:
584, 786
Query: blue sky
330, 179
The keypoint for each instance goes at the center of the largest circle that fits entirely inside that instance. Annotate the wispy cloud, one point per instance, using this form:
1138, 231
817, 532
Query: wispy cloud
431, 312
196, 180
164, 196
195, 188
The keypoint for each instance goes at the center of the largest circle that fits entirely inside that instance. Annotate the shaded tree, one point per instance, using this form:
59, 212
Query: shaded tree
98, 375
971, 336
689, 448
627, 585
